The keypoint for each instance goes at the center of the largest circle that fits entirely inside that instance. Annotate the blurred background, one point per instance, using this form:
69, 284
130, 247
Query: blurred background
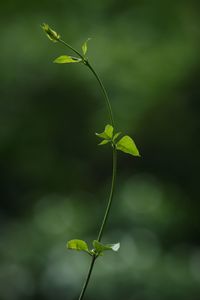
55, 180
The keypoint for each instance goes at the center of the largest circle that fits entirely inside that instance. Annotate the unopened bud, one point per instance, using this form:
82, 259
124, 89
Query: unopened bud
51, 34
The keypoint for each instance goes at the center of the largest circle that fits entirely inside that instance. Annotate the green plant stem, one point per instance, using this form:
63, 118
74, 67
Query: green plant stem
86, 62
114, 166
103, 222
71, 48
104, 92
114, 171
87, 278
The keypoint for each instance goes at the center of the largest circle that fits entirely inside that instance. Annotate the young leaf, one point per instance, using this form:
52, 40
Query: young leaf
99, 247
65, 59
79, 245
127, 145
104, 142
51, 34
116, 135
84, 46
107, 133
102, 135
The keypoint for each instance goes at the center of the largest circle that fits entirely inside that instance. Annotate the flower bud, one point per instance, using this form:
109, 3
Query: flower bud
51, 34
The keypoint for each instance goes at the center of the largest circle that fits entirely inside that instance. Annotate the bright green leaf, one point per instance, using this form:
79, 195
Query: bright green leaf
79, 245
104, 142
127, 145
116, 135
107, 133
99, 247
102, 135
65, 59
84, 46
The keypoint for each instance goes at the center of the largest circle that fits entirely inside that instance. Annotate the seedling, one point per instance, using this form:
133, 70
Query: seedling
117, 142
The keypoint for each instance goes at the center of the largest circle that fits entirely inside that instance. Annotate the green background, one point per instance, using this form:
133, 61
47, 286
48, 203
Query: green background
54, 179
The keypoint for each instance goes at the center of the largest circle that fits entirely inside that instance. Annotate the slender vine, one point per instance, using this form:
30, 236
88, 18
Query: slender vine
108, 136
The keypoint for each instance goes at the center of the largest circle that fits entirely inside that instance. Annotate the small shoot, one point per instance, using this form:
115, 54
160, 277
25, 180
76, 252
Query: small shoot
51, 34
85, 47
66, 59
125, 144
99, 248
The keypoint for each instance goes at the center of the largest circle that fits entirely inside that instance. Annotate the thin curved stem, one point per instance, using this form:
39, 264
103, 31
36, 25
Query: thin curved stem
114, 166
87, 278
114, 170
103, 222
71, 48
104, 92
86, 62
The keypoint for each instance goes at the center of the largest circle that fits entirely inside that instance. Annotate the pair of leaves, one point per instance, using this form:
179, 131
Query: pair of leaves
98, 249
65, 59
125, 144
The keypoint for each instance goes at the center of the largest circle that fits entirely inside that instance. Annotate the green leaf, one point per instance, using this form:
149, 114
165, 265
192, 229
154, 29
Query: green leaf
51, 34
104, 142
99, 247
107, 133
79, 245
127, 145
65, 59
102, 135
84, 46
116, 135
